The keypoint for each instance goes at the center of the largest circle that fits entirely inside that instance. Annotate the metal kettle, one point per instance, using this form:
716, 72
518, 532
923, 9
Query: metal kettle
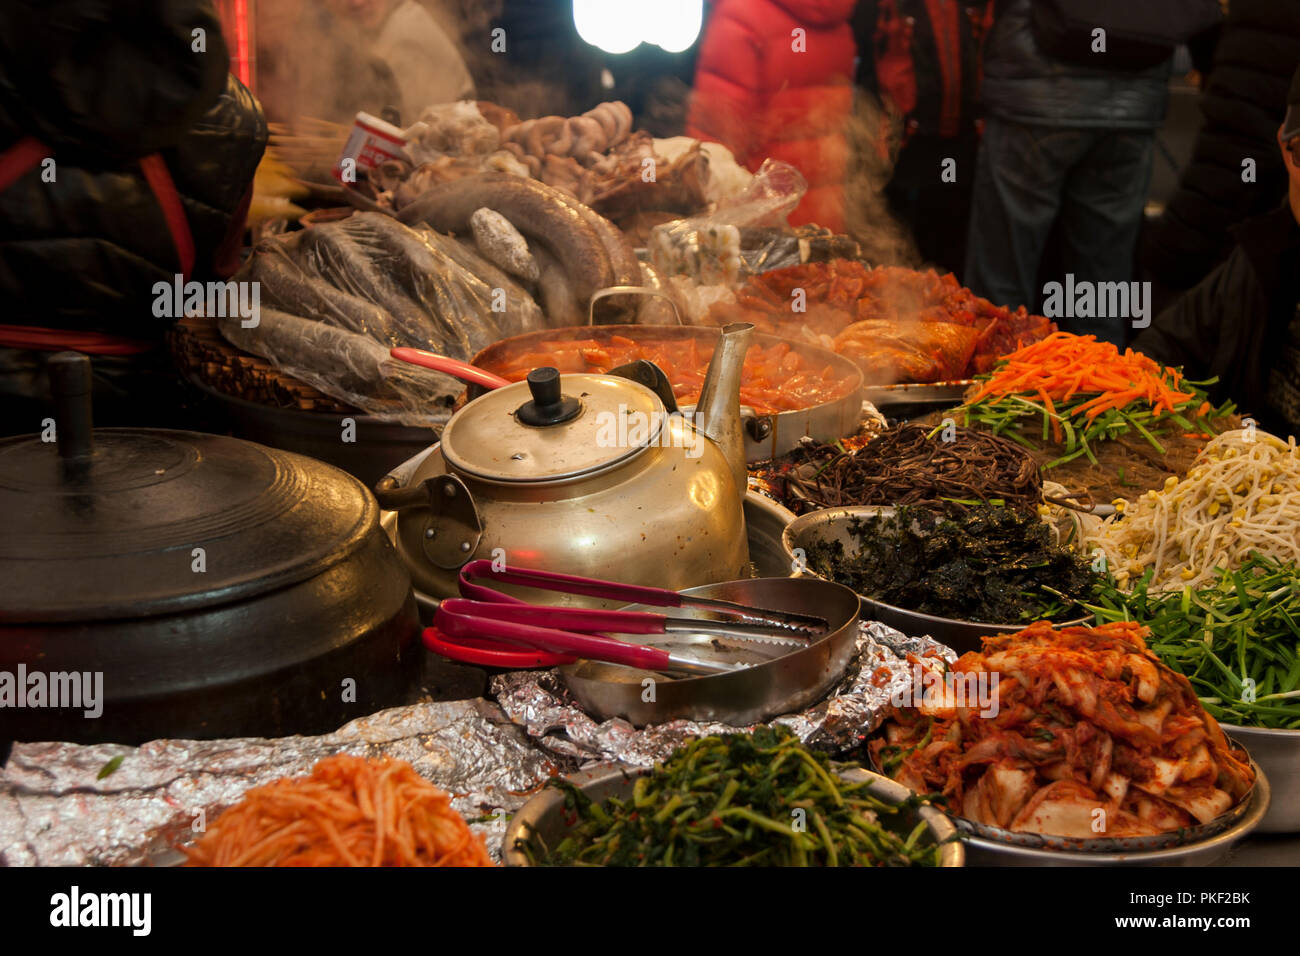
585, 474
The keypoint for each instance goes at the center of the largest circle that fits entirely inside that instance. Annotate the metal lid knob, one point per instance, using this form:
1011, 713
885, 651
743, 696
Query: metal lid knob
72, 386
549, 406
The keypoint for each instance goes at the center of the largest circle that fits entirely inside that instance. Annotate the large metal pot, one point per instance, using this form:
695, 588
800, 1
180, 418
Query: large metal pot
580, 489
766, 436
212, 587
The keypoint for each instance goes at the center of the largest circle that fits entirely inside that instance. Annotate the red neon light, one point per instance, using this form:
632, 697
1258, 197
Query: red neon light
242, 65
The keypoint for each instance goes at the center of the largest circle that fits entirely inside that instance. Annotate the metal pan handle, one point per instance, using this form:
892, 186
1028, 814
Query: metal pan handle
630, 290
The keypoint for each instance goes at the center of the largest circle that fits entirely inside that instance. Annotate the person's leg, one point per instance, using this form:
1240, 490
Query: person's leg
1102, 215
1020, 173
935, 210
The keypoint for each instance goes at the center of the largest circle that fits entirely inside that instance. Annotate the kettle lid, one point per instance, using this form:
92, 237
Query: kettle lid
553, 427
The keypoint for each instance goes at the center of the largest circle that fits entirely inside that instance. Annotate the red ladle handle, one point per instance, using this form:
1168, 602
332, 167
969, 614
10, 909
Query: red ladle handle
441, 363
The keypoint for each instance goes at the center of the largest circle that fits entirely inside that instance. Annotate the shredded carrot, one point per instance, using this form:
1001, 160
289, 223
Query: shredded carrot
350, 812
1061, 366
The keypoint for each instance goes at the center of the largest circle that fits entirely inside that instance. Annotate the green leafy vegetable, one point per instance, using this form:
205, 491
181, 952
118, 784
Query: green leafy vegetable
757, 799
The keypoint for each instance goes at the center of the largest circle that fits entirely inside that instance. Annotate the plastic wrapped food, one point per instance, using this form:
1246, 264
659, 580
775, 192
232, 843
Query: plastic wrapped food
708, 248
374, 284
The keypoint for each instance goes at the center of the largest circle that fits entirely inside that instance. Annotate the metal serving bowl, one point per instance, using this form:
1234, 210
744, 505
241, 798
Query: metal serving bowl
832, 524
765, 521
771, 686
985, 851
543, 815
1277, 752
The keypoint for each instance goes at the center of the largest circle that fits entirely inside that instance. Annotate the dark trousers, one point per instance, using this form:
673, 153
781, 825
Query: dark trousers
934, 210
1027, 177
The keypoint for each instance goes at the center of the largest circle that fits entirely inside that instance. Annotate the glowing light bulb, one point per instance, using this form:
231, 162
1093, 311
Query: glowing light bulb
675, 24
619, 26
612, 25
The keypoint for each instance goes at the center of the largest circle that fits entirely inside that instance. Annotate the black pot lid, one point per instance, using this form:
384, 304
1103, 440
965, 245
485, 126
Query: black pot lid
158, 522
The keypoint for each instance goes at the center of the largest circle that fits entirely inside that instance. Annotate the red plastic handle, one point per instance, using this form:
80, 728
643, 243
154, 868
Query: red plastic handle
456, 625
589, 620
441, 363
492, 654
564, 583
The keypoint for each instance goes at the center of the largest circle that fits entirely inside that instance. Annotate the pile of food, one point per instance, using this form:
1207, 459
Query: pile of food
350, 812
759, 799
596, 158
1236, 638
1092, 736
1241, 497
1111, 421
898, 325
908, 465
992, 565
775, 378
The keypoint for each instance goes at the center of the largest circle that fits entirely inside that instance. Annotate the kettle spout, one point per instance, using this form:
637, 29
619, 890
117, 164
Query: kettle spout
717, 413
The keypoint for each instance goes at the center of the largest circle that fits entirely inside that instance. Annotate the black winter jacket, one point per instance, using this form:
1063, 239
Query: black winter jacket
103, 83
1243, 104
1232, 323
1025, 85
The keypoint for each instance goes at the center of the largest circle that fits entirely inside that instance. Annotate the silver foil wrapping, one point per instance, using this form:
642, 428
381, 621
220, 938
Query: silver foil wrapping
56, 811
539, 702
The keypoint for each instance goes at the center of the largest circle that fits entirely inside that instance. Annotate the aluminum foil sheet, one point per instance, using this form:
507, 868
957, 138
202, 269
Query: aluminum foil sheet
55, 811
538, 701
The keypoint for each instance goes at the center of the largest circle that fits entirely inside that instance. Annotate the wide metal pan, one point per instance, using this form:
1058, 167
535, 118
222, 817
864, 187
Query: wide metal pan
766, 689
766, 436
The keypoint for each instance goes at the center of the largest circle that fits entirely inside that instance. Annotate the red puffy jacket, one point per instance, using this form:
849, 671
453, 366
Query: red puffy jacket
764, 91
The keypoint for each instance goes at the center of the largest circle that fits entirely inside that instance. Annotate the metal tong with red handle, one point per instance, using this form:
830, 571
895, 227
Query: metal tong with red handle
782, 623
488, 627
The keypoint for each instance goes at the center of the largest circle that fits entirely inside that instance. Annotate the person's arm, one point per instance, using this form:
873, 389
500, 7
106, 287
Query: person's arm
726, 101
107, 81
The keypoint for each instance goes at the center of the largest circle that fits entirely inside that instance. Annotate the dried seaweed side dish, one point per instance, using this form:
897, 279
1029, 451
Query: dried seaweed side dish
986, 564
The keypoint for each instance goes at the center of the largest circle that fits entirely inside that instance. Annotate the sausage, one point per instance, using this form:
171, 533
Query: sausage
501, 243
622, 259
608, 122
588, 137
535, 209
562, 142
555, 291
